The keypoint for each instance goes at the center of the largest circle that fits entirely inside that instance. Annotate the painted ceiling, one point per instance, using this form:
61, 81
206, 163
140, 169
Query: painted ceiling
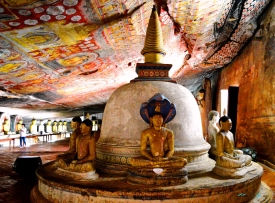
73, 54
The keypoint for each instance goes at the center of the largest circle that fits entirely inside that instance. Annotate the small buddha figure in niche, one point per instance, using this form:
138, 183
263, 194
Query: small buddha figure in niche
6, 126
213, 117
83, 159
70, 154
157, 138
33, 127
49, 126
19, 125
229, 161
55, 127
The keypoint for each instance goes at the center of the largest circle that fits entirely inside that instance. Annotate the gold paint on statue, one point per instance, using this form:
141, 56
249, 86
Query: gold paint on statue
153, 50
161, 144
82, 160
6, 126
227, 156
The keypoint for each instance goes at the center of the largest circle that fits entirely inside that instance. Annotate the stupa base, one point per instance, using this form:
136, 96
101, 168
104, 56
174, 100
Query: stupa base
157, 176
207, 187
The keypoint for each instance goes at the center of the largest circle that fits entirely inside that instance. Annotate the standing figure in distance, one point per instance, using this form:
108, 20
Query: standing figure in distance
213, 117
23, 133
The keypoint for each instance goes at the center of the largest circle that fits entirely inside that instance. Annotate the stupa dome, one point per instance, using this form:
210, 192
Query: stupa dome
122, 126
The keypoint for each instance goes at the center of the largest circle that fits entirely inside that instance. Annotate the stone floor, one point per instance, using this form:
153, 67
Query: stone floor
16, 189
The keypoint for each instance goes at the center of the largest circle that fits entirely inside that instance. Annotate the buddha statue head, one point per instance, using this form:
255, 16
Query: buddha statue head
33, 121
49, 122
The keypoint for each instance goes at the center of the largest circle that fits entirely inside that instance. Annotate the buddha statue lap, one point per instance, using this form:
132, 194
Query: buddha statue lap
230, 163
82, 159
157, 166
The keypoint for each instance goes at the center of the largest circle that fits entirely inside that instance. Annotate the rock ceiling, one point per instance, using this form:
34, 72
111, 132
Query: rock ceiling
73, 54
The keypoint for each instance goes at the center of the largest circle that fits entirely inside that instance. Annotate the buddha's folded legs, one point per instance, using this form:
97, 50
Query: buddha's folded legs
240, 161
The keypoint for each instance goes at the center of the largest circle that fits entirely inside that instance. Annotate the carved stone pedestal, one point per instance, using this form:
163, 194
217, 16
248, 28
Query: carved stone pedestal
207, 187
157, 176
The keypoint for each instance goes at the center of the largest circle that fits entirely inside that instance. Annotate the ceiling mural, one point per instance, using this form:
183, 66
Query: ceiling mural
66, 54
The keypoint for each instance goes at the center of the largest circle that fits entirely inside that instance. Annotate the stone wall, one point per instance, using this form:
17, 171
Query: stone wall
253, 71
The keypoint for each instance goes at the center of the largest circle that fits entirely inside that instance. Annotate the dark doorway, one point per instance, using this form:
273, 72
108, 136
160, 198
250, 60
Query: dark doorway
233, 107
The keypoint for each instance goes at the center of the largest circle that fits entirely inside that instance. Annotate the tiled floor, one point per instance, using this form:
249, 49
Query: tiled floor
15, 189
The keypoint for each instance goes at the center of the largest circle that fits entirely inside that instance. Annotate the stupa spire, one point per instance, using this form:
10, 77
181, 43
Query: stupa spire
153, 50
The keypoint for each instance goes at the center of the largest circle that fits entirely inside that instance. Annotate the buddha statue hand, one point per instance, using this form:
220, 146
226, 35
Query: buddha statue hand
159, 158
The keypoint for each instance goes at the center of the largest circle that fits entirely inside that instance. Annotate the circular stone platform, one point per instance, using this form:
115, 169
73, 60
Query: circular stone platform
53, 186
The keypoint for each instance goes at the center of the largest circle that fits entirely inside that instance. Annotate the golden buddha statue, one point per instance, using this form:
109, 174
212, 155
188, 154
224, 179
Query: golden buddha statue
33, 127
54, 130
6, 126
19, 125
213, 117
230, 162
75, 125
60, 127
157, 146
82, 160
49, 126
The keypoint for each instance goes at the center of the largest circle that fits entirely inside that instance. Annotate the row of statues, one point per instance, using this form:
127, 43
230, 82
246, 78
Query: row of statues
61, 127
157, 165
157, 148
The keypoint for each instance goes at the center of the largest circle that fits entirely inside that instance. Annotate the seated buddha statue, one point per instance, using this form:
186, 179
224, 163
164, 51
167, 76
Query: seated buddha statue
18, 125
33, 127
229, 161
75, 125
213, 117
6, 126
157, 146
60, 127
82, 159
49, 126
54, 130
